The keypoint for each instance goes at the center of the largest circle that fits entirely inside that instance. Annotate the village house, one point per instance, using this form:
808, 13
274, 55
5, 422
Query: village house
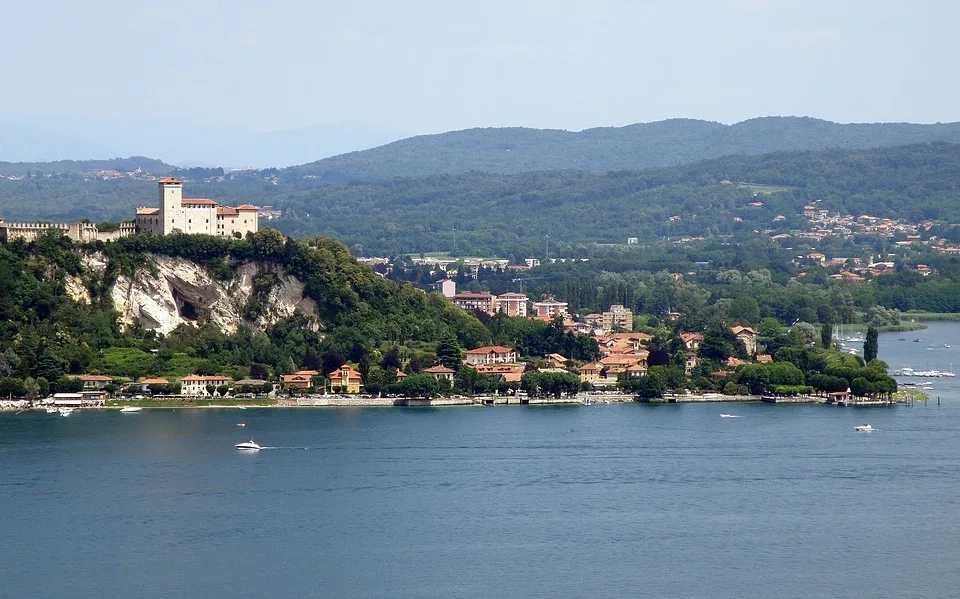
196, 384
748, 336
440, 372
590, 373
347, 379
93, 381
145, 384
691, 341
493, 354
507, 373
302, 379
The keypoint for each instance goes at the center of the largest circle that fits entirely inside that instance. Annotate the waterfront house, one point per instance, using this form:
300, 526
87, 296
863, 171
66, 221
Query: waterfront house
302, 379
93, 381
590, 373
507, 373
491, 354
347, 379
196, 384
440, 372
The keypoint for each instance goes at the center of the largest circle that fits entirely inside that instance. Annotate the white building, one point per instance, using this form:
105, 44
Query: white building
194, 215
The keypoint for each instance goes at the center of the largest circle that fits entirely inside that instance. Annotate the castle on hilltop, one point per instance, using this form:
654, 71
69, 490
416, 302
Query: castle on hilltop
194, 215
175, 214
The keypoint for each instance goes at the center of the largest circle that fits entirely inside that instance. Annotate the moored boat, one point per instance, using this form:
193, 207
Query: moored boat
130, 410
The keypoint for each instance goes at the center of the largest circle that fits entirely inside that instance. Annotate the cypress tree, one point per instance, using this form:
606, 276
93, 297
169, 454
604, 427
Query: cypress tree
870, 345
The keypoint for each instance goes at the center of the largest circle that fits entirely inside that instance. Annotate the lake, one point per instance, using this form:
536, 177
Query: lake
609, 500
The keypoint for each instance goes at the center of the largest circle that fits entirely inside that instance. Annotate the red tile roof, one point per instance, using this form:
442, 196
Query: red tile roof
246, 207
170, 180
491, 349
203, 201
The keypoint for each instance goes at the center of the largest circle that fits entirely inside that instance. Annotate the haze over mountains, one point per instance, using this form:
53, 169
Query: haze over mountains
494, 150
181, 142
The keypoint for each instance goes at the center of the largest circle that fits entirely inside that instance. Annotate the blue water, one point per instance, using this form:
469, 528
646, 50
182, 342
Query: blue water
601, 501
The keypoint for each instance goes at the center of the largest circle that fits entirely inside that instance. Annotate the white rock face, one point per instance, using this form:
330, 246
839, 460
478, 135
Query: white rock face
182, 292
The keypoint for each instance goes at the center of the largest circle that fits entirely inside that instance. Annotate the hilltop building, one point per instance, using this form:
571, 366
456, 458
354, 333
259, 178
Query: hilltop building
194, 215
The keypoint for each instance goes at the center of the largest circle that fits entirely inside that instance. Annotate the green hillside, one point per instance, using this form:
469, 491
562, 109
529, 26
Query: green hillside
513, 214
635, 147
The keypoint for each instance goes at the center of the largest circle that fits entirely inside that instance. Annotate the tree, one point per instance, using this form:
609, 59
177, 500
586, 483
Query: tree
31, 388
391, 359
870, 345
448, 351
419, 385
826, 333
258, 371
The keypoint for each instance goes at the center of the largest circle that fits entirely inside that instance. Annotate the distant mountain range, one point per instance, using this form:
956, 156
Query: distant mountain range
635, 147
494, 150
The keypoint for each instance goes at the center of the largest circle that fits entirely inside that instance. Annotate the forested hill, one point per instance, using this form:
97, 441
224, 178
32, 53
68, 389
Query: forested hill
635, 147
511, 214
76, 167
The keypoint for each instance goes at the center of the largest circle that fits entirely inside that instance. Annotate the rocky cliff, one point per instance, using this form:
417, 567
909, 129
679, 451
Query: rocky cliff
171, 291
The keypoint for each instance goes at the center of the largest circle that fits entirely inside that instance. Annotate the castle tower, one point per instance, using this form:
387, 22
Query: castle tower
172, 215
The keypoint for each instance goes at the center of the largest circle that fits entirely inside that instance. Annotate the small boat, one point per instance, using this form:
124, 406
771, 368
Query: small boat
248, 445
946, 345
65, 411
729, 416
918, 340
52, 410
241, 424
863, 428
131, 410
241, 407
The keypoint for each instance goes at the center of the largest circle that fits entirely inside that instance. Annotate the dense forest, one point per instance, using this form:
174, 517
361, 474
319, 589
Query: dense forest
490, 214
635, 147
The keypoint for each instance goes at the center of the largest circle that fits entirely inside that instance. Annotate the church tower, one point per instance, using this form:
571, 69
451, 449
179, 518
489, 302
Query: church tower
172, 215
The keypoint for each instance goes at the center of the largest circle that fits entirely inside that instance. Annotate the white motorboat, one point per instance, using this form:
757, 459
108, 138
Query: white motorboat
729, 416
241, 424
248, 445
863, 428
65, 411
130, 410
52, 410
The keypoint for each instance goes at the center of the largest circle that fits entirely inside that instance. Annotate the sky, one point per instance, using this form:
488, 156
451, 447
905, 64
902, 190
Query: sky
425, 66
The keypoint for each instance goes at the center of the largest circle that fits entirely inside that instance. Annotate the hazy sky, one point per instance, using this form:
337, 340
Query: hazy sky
420, 66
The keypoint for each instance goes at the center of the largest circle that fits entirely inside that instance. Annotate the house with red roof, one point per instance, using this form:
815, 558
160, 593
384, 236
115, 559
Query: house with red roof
491, 354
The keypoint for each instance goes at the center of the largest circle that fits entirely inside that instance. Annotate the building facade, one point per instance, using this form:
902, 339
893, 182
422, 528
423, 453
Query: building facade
194, 216
475, 301
549, 308
495, 354
512, 304
617, 318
